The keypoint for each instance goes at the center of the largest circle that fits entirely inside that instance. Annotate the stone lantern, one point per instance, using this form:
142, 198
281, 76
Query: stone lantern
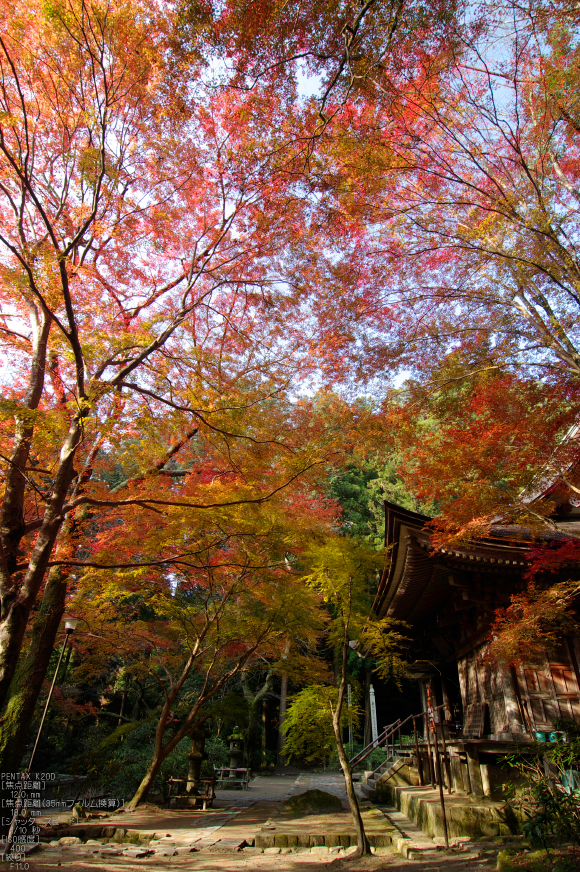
236, 741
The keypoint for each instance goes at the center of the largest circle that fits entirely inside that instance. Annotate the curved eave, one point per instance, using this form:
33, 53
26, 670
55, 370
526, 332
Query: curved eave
416, 577
400, 524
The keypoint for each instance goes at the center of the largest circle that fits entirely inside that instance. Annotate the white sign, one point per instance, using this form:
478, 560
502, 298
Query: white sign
373, 706
349, 702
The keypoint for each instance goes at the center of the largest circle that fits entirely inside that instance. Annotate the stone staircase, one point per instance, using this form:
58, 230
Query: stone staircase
369, 780
408, 840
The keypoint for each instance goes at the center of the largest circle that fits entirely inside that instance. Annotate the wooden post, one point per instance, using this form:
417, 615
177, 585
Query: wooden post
431, 770
446, 700
485, 783
418, 753
446, 759
440, 780
373, 708
433, 729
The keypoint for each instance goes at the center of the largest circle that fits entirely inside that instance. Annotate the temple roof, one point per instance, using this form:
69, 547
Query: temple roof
419, 577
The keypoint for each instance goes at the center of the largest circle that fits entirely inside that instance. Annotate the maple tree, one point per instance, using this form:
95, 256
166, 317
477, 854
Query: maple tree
460, 194
465, 273
481, 448
460, 198
339, 44
495, 216
463, 189
534, 620
309, 733
146, 234
495, 454
341, 572
186, 237
193, 629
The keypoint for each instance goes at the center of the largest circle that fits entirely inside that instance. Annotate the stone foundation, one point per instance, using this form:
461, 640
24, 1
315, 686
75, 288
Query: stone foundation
466, 816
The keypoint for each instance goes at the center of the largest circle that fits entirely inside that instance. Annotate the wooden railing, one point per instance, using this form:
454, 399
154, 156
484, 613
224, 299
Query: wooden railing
434, 760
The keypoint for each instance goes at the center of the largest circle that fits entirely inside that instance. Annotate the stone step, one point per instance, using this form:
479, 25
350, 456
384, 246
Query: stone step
408, 840
414, 849
368, 791
369, 782
318, 840
137, 853
228, 845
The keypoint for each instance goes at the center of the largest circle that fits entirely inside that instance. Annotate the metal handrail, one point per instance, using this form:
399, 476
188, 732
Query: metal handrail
402, 724
372, 746
384, 737
397, 727
435, 772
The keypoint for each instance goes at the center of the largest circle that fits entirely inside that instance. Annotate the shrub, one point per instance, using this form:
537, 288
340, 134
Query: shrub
549, 802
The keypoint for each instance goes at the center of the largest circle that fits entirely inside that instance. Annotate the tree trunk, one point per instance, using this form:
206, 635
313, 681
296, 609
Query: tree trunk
282, 717
18, 712
252, 699
193, 720
161, 752
251, 733
363, 846
12, 514
23, 691
147, 782
283, 707
195, 758
17, 604
122, 709
264, 732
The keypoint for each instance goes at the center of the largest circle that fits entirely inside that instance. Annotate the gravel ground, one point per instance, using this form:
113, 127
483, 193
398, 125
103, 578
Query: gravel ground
273, 863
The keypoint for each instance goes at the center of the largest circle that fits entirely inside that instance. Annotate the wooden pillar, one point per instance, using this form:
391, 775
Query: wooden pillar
474, 770
418, 754
448, 710
512, 703
423, 691
485, 779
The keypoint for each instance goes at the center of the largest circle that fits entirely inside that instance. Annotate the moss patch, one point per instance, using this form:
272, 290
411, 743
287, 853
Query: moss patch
313, 802
558, 860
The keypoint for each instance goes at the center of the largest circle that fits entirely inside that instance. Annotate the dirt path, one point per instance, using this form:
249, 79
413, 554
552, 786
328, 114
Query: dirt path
203, 862
209, 841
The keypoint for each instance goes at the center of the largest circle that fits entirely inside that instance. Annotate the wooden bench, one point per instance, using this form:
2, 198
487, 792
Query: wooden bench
227, 776
203, 798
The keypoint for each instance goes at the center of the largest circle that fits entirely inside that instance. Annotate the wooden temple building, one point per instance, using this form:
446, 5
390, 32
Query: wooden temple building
448, 598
